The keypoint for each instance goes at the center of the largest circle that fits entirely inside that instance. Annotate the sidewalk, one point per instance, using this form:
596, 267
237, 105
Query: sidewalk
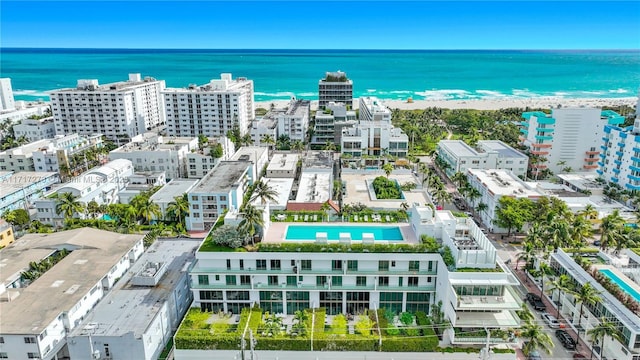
581, 347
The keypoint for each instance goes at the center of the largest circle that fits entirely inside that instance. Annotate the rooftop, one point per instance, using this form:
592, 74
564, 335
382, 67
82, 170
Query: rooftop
174, 188
317, 159
224, 84
504, 183
582, 181
153, 142
501, 148
458, 148
94, 253
461, 149
282, 186
92, 84
298, 107
222, 177
20, 180
137, 306
283, 162
314, 187
28, 149
250, 153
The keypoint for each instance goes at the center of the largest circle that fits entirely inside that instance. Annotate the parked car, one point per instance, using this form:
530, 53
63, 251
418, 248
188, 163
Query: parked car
566, 340
597, 243
550, 320
534, 355
536, 302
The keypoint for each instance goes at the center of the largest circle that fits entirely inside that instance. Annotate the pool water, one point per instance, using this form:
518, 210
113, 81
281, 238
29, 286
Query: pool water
621, 283
302, 232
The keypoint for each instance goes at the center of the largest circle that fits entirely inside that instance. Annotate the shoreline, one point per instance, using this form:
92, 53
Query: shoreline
483, 104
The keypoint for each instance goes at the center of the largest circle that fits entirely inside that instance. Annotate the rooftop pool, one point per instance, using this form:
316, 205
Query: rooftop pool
308, 232
621, 283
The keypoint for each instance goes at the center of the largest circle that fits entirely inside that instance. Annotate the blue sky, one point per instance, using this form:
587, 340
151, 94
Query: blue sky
321, 25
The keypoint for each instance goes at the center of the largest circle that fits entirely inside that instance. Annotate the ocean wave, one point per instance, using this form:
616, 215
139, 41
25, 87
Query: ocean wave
491, 94
22, 92
276, 94
446, 94
619, 91
307, 94
525, 93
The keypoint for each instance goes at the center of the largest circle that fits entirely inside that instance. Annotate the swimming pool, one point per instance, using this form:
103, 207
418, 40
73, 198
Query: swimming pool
308, 232
623, 285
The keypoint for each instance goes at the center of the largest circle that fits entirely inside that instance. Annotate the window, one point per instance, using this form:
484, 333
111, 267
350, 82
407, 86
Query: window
230, 279
275, 264
273, 279
217, 277
202, 280
393, 264
413, 281
241, 264
245, 280
321, 280
414, 265
210, 295
336, 264
336, 280
383, 265
1, 340
352, 265
261, 264
3, 355
31, 355
292, 280
305, 264
383, 281
228, 264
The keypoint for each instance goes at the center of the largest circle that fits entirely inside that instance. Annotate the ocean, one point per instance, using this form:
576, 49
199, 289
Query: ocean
281, 74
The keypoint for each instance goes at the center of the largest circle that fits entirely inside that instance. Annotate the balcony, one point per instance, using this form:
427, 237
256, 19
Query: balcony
633, 177
545, 130
539, 152
590, 167
506, 318
592, 152
591, 160
546, 120
508, 301
540, 145
543, 137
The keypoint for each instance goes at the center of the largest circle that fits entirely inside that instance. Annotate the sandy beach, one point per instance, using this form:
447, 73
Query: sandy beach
485, 104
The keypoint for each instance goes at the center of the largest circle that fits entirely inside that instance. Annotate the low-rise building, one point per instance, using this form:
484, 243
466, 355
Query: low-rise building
35, 129
263, 128
282, 187
149, 300
200, 161
20, 190
23, 110
40, 308
488, 154
139, 182
494, 184
6, 234
221, 189
151, 152
291, 121
169, 192
283, 165
257, 156
101, 184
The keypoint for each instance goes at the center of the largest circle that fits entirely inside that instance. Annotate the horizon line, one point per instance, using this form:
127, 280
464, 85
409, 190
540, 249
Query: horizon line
309, 49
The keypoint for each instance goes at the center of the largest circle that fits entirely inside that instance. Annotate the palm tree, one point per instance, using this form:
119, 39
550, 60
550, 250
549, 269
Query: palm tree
600, 331
178, 209
611, 229
329, 146
560, 283
528, 254
535, 236
544, 269
586, 295
268, 140
482, 207
536, 338
93, 209
264, 192
472, 195
580, 230
387, 168
557, 233
67, 204
442, 196
251, 220
297, 145
459, 178
148, 210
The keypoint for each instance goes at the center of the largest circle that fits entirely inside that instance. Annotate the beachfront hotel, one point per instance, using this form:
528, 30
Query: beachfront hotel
40, 308
568, 138
374, 135
336, 87
119, 110
347, 268
488, 154
620, 299
620, 156
211, 109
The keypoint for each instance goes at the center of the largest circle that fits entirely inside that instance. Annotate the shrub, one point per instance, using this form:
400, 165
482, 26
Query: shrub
409, 344
364, 326
339, 325
386, 189
227, 235
406, 318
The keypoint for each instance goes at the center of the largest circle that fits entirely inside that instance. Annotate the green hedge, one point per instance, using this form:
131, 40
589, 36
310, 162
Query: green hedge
450, 349
402, 344
203, 340
340, 248
581, 250
503, 351
280, 343
345, 343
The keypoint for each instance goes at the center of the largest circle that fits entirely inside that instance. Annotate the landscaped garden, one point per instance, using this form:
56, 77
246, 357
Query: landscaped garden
386, 189
309, 329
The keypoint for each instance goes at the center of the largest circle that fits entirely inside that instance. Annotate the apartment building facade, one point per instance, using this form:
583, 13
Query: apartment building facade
20, 190
119, 110
330, 122
488, 154
7, 102
34, 130
336, 87
568, 138
212, 109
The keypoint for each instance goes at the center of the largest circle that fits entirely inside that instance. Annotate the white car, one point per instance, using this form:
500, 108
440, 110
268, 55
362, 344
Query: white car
550, 320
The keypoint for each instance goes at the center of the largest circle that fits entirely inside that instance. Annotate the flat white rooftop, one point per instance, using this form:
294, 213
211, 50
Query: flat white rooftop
503, 150
282, 186
458, 147
314, 187
56, 291
137, 306
504, 183
174, 188
283, 162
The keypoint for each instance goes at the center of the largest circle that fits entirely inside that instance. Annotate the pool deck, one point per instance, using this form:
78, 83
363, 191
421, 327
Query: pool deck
278, 230
357, 191
620, 275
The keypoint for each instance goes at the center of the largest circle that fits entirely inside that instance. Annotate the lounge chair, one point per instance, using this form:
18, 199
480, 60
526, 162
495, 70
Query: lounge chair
315, 217
388, 218
306, 218
366, 218
295, 217
355, 218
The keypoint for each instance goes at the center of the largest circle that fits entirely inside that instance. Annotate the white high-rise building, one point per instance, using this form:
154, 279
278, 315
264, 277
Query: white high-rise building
119, 110
211, 109
567, 138
335, 87
6, 95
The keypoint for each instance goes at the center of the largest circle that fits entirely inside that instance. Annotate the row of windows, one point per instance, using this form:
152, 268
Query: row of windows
322, 280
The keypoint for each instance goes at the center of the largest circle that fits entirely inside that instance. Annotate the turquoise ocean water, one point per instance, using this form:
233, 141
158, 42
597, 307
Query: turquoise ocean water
280, 74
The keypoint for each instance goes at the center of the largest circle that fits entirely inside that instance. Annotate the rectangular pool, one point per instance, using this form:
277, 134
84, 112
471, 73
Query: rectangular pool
621, 283
308, 232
